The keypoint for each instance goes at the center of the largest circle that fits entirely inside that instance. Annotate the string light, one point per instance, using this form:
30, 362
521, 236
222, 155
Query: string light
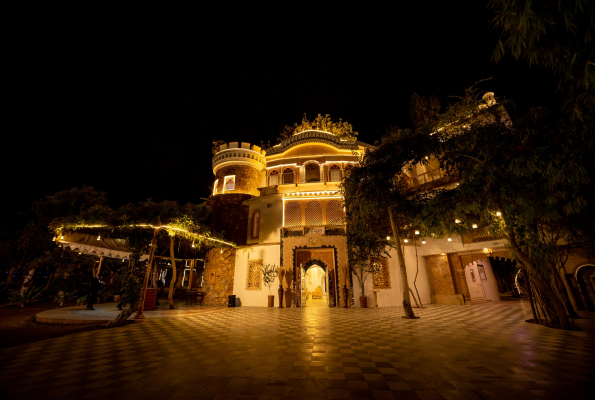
457, 221
449, 239
166, 227
474, 226
388, 238
98, 237
54, 239
498, 214
417, 232
193, 244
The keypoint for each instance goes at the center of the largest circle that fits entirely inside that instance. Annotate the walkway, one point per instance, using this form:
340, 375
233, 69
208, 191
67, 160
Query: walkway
109, 311
452, 352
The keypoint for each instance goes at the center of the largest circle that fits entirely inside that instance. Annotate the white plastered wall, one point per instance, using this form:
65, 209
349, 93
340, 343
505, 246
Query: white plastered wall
394, 295
256, 298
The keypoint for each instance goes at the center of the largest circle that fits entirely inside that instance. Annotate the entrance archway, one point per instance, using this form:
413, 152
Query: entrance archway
302, 293
585, 277
315, 287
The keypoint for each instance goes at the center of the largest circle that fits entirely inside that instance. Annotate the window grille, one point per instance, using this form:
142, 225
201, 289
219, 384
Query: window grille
288, 176
334, 213
313, 213
255, 225
254, 275
380, 274
274, 178
293, 213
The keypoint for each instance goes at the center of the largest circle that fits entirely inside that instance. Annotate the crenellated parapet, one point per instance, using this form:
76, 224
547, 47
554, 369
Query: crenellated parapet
236, 153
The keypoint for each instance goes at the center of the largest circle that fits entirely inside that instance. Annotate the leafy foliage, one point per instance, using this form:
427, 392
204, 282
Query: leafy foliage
269, 274
556, 34
28, 295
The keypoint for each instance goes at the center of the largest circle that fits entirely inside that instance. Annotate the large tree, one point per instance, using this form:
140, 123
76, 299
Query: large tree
557, 34
526, 179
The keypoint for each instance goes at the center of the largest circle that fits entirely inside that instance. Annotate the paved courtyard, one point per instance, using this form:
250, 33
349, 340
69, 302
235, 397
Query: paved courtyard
452, 352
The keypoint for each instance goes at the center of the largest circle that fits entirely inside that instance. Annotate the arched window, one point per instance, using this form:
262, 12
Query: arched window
274, 178
313, 213
334, 213
312, 172
288, 176
335, 173
255, 231
293, 213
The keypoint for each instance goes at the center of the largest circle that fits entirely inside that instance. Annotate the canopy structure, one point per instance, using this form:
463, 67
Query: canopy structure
94, 245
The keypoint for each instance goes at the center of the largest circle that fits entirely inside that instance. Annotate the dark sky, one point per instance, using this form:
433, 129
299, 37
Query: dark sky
128, 99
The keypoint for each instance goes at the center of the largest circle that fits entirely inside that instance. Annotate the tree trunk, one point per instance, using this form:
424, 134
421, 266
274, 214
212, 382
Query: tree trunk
174, 277
404, 283
528, 289
562, 290
545, 290
141, 305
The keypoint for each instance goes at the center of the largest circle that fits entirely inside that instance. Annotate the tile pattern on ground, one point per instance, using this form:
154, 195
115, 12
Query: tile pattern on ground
451, 352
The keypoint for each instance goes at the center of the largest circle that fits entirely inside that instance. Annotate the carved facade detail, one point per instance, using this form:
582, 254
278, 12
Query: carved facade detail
254, 275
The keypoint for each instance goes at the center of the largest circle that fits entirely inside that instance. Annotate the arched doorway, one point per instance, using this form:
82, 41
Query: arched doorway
585, 277
304, 292
315, 287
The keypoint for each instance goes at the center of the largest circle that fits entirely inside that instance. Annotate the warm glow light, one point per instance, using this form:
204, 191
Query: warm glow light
98, 237
166, 227
423, 242
499, 214
443, 254
54, 239
457, 221
221, 250
449, 239
406, 240
474, 226
193, 244
417, 232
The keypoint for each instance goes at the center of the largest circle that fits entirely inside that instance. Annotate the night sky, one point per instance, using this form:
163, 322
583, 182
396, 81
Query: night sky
128, 99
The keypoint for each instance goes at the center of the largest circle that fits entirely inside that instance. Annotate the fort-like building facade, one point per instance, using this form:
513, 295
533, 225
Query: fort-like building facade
283, 207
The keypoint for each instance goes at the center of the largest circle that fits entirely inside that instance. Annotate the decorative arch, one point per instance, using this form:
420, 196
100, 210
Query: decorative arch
273, 178
335, 174
288, 175
255, 225
312, 171
292, 214
313, 213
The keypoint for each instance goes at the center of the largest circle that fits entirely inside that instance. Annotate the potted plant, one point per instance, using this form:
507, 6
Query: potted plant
288, 276
269, 274
281, 275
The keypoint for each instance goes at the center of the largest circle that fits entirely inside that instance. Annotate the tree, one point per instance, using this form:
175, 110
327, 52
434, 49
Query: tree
375, 194
556, 34
526, 179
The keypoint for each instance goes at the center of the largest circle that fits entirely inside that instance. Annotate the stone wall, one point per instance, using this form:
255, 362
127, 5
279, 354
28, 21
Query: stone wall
442, 283
218, 276
247, 179
230, 216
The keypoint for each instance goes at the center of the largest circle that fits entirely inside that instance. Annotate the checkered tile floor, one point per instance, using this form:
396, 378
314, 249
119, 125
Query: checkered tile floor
451, 352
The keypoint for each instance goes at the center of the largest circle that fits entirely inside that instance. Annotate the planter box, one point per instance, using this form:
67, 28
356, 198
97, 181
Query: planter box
150, 296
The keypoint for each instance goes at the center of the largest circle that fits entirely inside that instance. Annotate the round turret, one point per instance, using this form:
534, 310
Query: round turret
237, 168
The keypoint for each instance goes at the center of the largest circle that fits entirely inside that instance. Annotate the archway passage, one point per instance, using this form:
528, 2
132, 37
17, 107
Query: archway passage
315, 288
585, 277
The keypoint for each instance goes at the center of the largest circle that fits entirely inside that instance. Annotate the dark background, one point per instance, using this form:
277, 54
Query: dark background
129, 98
